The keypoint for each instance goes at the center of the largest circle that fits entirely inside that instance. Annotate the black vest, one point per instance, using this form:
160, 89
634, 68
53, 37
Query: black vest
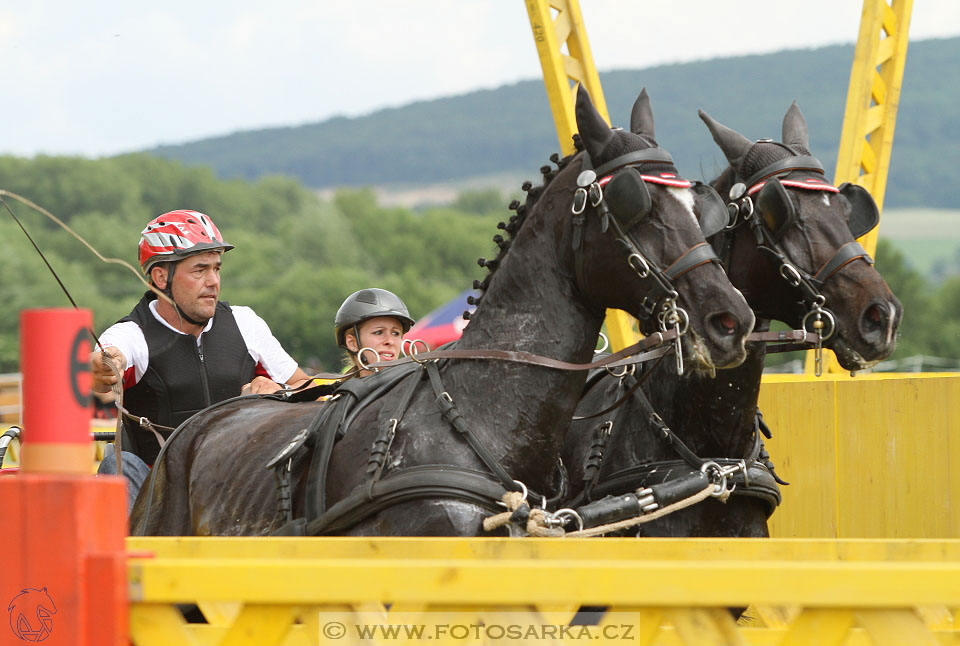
182, 378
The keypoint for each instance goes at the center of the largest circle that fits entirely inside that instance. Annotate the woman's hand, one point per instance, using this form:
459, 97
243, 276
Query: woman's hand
260, 386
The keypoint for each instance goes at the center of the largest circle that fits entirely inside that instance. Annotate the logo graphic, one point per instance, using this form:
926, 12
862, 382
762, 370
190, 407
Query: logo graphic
31, 614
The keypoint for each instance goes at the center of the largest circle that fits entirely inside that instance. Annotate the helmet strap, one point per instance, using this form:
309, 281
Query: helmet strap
168, 290
356, 338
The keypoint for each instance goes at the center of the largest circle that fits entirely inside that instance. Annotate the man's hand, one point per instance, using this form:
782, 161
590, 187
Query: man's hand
260, 386
103, 376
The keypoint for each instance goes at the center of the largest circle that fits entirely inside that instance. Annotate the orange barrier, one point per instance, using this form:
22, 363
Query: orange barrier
62, 558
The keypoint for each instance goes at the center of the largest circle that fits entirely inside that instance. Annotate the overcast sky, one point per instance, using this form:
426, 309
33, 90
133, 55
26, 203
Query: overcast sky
107, 76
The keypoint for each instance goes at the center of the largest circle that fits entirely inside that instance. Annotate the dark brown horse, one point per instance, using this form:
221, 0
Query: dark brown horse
789, 248
580, 244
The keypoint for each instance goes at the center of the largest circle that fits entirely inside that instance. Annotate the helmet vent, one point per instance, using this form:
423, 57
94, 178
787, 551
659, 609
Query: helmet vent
367, 296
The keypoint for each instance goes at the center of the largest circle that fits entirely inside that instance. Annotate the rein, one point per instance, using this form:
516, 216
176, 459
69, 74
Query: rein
621, 358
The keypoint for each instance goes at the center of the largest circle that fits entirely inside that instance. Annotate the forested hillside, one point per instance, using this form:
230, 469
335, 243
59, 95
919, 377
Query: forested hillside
296, 257
510, 129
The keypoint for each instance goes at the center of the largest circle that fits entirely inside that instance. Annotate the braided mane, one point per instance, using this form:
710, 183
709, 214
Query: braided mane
512, 227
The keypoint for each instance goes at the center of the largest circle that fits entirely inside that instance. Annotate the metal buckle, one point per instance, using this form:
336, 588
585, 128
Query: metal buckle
596, 194
790, 274
644, 269
579, 201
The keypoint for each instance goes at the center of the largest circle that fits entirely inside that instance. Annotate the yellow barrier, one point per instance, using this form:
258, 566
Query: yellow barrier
348, 590
872, 456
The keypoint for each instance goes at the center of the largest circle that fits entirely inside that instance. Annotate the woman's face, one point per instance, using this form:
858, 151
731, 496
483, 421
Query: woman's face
383, 334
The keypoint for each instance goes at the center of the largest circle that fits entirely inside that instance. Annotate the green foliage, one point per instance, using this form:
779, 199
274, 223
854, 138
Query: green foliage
918, 329
479, 201
296, 257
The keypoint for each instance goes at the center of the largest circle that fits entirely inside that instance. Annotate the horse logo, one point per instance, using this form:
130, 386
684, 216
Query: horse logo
31, 614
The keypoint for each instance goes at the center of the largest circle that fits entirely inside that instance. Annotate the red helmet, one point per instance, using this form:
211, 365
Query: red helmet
176, 235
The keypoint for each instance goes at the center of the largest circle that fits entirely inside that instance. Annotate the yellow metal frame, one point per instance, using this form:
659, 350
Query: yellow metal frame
866, 141
558, 24
315, 591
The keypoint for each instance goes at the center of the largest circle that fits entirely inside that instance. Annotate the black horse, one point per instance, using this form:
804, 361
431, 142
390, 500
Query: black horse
592, 237
790, 249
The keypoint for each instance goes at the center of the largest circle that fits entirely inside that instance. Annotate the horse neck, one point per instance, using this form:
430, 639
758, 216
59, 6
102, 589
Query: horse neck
531, 305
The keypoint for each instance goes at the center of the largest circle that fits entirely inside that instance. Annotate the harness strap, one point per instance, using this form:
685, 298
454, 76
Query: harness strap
698, 254
785, 165
453, 416
630, 390
428, 481
845, 255
635, 158
381, 445
785, 340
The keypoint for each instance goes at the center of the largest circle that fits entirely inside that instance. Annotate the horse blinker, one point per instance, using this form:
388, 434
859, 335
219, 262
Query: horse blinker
712, 213
628, 198
776, 207
860, 208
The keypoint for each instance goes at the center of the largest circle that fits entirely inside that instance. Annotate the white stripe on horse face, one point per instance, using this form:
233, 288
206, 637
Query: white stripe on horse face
685, 197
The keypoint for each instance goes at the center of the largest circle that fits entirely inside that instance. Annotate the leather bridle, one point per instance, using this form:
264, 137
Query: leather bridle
617, 193
744, 210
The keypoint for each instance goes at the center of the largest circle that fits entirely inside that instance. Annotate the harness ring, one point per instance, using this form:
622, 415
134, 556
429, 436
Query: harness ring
827, 314
628, 369
412, 352
364, 365
606, 343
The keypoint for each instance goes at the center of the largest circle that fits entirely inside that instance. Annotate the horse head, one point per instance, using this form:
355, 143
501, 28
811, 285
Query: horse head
803, 229
660, 270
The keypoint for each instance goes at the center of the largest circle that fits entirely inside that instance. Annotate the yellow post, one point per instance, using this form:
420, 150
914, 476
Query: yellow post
556, 23
871, 112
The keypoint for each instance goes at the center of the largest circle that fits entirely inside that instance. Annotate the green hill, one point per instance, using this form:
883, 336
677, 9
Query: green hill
509, 130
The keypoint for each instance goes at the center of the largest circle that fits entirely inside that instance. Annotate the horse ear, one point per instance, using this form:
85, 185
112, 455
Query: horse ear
732, 143
594, 131
641, 117
795, 128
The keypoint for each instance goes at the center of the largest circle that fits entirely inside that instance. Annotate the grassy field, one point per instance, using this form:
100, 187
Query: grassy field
924, 236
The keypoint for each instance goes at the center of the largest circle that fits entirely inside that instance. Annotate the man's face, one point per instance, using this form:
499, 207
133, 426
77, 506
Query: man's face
196, 285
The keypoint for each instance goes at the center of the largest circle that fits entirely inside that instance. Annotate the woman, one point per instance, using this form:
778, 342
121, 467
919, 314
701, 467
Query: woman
370, 326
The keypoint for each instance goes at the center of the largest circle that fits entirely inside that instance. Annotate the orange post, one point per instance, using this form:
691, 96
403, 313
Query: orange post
62, 559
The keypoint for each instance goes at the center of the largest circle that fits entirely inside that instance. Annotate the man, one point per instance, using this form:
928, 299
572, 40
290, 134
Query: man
180, 357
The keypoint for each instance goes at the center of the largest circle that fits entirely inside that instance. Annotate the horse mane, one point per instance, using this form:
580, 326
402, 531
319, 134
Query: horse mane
513, 225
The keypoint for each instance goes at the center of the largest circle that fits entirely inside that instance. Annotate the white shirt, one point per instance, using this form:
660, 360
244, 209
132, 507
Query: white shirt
271, 359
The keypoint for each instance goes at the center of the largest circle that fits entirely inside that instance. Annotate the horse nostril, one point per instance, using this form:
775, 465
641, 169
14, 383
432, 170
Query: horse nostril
724, 323
873, 319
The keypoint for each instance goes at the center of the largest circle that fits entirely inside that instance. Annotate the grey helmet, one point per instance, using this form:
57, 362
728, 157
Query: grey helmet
368, 304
